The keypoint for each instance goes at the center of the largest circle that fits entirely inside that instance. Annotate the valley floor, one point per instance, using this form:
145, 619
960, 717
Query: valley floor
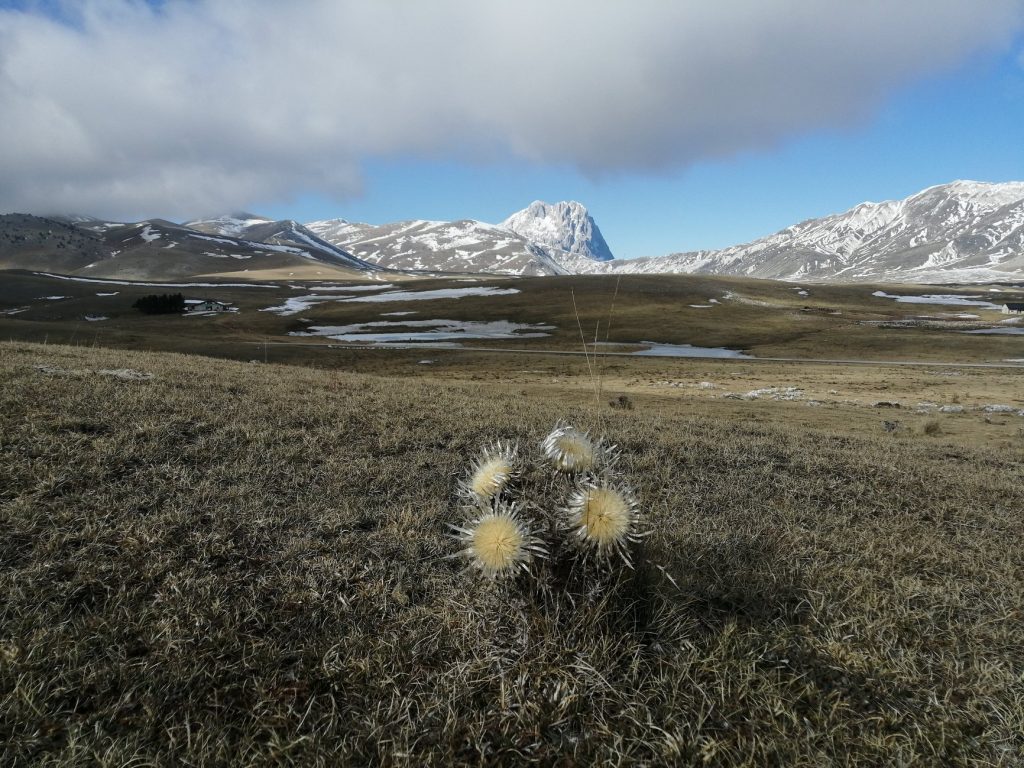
207, 561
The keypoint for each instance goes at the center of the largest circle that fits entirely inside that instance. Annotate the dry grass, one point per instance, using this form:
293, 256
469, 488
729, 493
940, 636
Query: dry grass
244, 564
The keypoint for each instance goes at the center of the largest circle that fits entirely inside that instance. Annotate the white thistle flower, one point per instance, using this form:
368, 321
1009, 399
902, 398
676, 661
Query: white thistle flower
499, 542
491, 472
572, 451
604, 518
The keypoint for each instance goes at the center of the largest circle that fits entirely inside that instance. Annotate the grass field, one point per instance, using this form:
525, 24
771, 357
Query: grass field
239, 563
762, 318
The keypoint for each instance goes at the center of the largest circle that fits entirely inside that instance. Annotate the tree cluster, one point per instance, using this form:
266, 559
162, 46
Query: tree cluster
162, 304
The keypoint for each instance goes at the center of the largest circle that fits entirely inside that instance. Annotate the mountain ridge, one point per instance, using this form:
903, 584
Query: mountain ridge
962, 231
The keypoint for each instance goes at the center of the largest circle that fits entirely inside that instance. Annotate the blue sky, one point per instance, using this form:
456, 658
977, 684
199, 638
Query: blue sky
967, 124
685, 125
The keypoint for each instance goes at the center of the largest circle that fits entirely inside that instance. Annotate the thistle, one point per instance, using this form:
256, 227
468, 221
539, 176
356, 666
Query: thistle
604, 519
491, 472
499, 542
572, 451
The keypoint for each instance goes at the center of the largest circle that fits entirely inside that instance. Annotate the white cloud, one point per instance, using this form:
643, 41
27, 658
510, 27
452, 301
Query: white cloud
211, 104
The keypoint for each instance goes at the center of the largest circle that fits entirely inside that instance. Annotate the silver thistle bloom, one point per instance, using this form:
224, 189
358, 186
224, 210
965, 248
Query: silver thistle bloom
572, 451
604, 519
491, 472
498, 542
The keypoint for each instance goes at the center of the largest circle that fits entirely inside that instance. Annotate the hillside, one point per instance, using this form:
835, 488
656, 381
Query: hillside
959, 232
542, 239
156, 249
442, 246
207, 562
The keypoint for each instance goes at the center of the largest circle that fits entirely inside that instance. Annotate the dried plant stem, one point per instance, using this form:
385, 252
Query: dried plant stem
586, 353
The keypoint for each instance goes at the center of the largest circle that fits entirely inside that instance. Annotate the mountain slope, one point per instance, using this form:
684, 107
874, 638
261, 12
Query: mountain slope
156, 249
462, 246
963, 231
34, 242
286, 234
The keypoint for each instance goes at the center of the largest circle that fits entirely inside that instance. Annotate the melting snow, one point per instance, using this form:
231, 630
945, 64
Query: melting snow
685, 350
349, 288
296, 304
214, 239
938, 298
378, 331
442, 293
148, 234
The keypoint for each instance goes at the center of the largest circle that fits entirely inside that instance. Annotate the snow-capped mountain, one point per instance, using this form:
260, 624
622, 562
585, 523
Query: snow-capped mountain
473, 246
229, 225
156, 249
438, 246
565, 226
964, 231
284, 234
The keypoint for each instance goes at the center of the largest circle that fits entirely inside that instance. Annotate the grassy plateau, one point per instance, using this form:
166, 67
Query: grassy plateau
208, 562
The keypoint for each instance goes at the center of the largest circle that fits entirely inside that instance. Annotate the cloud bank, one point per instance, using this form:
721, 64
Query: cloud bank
122, 109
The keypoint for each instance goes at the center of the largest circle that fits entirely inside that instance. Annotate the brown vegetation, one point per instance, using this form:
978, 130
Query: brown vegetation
236, 563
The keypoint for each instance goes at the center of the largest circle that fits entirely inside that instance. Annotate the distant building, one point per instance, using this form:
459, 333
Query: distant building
1013, 308
210, 305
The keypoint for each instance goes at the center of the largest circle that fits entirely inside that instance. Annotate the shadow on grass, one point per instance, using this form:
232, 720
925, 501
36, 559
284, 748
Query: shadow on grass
743, 578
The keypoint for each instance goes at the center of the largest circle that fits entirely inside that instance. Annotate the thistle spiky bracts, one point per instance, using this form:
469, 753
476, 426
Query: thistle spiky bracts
603, 519
498, 541
572, 451
491, 472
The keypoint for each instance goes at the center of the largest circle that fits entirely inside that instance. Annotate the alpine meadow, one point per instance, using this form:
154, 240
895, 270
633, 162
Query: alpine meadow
335, 430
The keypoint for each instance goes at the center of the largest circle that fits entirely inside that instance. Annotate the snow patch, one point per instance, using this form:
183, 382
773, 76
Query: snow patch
654, 349
441, 293
938, 298
386, 332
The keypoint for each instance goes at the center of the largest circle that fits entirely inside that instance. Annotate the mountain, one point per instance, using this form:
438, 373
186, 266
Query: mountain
32, 242
156, 249
229, 225
565, 226
964, 231
439, 246
551, 240
285, 234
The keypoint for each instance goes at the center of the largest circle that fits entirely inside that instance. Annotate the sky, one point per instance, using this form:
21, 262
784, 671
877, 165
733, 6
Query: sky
683, 125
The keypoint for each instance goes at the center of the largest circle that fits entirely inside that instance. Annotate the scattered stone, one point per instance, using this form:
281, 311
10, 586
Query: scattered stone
887, 404
775, 393
951, 409
53, 370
